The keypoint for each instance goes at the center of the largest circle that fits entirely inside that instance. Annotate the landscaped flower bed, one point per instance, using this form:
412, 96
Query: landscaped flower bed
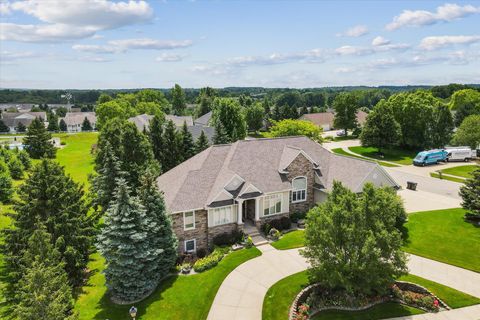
314, 299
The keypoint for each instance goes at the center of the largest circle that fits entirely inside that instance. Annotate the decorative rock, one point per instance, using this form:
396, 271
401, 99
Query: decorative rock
237, 246
301, 223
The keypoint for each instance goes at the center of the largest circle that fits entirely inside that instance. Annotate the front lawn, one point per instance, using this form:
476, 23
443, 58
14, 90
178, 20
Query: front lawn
461, 171
444, 177
279, 298
348, 154
293, 239
443, 235
178, 297
399, 156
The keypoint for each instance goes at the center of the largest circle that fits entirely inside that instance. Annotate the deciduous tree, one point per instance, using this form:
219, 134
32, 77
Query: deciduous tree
288, 127
229, 113
470, 194
254, 115
468, 134
346, 107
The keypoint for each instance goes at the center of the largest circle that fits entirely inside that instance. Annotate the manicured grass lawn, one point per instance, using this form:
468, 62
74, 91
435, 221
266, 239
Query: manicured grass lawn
345, 153
75, 156
454, 298
380, 311
444, 177
399, 156
293, 239
444, 236
279, 297
179, 297
461, 171
277, 301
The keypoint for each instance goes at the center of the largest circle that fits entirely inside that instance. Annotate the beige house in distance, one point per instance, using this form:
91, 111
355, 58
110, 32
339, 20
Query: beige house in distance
253, 181
74, 120
325, 119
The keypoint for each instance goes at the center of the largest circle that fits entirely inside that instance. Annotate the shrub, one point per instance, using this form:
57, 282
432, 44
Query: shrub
282, 223
209, 261
63, 143
285, 222
16, 168
266, 228
274, 234
227, 239
249, 242
294, 217
25, 159
201, 253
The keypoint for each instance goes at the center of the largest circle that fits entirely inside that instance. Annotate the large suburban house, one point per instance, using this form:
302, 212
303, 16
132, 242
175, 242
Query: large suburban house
74, 120
13, 119
254, 181
325, 119
142, 122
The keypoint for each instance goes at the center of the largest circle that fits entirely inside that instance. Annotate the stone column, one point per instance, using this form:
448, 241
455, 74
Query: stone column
240, 211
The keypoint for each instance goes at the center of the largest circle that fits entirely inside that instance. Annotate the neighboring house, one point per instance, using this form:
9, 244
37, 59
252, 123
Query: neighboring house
204, 120
325, 119
13, 119
74, 120
142, 122
254, 181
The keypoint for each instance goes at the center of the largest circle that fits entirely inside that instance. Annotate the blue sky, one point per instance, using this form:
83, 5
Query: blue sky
135, 44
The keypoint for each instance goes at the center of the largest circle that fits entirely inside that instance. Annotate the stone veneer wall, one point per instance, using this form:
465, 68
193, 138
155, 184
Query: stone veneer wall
301, 166
200, 233
225, 228
264, 220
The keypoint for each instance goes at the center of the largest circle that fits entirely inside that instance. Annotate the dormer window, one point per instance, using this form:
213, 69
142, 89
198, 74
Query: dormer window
299, 189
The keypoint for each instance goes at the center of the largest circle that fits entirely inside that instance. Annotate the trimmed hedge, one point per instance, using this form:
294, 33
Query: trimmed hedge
210, 261
228, 239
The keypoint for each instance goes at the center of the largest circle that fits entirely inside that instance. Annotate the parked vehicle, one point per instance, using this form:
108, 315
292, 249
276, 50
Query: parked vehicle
460, 153
430, 157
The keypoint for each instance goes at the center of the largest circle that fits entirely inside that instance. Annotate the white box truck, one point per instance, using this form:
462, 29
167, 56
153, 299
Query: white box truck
460, 153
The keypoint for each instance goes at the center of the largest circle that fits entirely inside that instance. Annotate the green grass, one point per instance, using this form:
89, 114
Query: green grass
380, 311
76, 156
293, 239
348, 154
453, 298
277, 301
178, 297
279, 298
444, 177
461, 171
400, 156
443, 235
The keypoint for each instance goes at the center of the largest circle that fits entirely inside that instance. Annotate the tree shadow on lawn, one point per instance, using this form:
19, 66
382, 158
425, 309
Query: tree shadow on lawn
110, 310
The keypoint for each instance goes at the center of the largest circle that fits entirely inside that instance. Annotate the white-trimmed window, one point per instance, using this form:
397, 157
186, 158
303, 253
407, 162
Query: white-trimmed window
189, 220
299, 189
272, 204
190, 245
222, 215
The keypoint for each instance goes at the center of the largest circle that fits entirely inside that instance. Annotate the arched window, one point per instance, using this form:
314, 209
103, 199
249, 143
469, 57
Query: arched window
299, 189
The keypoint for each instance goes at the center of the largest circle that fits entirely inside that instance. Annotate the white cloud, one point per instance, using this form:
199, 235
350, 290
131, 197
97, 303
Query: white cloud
445, 13
312, 56
10, 56
4, 8
94, 59
353, 51
69, 20
115, 46
166, 57
356, 31
380, 41
435, 42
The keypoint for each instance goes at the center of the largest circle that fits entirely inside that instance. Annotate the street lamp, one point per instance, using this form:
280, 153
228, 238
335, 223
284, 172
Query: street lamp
133, 312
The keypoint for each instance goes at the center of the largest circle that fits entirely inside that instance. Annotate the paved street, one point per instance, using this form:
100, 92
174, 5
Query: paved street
241, 294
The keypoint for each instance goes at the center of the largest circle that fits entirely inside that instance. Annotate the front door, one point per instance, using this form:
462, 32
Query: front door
250, 209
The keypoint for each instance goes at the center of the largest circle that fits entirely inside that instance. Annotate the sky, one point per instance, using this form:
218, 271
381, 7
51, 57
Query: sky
100, 44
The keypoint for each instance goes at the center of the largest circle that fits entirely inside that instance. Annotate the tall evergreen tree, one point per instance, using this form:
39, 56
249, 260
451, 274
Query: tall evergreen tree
188, 146
43, 291
173, 153
6, 186
52, 122
127, 248
470, 194
62, 126
159, 228
37, 142
16, 168
86, 125
51, 198
21, 127
155, 134
179, 103
105, 182
201, 143
220, 136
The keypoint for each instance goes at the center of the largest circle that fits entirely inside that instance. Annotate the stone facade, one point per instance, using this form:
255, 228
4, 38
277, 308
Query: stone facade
225, 228
302, 167
200, 233
264, 220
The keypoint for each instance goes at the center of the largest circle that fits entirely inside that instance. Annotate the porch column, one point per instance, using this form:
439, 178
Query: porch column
257, 209
240, 211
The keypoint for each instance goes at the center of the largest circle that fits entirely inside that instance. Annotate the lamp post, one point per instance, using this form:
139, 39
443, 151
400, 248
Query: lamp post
133, 312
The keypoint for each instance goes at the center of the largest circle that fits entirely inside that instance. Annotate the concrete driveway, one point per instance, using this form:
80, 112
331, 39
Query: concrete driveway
241, 294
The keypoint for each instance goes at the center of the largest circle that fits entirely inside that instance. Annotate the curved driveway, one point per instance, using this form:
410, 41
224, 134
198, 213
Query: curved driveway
240, 297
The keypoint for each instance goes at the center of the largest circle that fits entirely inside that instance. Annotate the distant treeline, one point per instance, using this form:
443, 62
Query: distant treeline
372, 94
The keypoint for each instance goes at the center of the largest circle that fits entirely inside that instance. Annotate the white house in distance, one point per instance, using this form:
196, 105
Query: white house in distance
74, 120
